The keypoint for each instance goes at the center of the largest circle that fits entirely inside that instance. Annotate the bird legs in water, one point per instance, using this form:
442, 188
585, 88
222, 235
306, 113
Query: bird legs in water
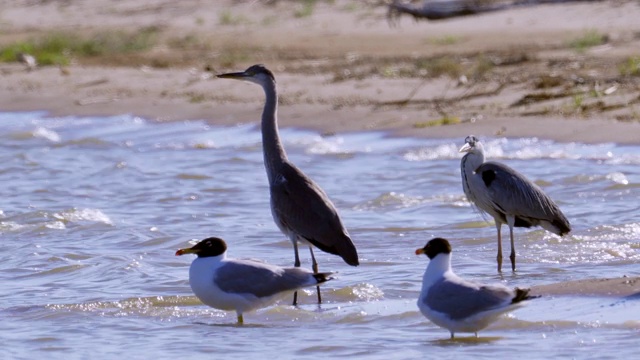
240, 319
499, 257
297, 264
511, 222
314, 266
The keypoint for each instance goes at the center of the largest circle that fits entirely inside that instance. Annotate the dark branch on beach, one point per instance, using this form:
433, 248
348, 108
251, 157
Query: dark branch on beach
445, 9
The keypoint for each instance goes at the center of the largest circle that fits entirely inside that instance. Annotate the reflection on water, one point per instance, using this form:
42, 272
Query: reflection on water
94, 208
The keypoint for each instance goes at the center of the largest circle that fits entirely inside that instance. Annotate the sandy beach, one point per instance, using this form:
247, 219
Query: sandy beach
341, 67
344, 68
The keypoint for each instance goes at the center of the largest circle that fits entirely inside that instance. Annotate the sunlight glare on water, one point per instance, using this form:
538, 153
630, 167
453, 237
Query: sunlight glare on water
94, 209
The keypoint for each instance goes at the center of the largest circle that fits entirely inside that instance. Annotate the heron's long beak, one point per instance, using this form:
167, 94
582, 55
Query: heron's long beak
186, 251
465, 148
234, 75
419, 251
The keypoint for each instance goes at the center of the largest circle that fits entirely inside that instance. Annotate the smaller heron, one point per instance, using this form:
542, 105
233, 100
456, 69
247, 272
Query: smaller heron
508, 196
300, 208
456, 304
242, 285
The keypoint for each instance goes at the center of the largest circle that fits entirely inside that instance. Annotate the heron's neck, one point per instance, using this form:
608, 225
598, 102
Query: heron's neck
274, 154
471, 161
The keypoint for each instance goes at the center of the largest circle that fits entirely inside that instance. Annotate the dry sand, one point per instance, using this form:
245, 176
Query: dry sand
343, 68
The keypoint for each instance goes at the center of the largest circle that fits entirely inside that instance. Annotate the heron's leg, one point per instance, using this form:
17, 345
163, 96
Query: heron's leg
240, 319
511, 221
499, 257
294, 240
314, 266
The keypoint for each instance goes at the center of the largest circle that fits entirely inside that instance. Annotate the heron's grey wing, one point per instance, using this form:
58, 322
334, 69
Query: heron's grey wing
513, 193
463, 299
260, 279
302, 206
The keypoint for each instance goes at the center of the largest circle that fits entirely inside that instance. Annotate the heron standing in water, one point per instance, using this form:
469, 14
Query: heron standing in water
508, 196
300, 208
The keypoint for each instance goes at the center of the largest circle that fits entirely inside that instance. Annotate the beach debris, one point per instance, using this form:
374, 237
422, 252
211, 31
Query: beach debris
28, 60
446, 9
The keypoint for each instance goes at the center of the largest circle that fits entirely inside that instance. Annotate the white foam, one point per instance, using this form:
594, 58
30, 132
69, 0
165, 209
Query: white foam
77, 215
47, 134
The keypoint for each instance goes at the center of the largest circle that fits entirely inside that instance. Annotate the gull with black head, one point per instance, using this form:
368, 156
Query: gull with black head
456, 304
300, 208
508, 196
242, 285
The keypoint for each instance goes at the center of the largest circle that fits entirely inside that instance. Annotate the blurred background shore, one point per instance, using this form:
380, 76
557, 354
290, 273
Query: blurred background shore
568, 72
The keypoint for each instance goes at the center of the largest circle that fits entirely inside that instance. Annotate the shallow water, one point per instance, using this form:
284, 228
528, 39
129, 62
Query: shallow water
94, 208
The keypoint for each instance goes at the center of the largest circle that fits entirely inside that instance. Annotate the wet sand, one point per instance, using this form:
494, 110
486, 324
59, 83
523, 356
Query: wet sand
517, 73
600, 287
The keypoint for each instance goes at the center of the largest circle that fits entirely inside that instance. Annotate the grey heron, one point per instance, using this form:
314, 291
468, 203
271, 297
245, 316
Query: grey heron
241, 285
456, 304
508, 196
300, 208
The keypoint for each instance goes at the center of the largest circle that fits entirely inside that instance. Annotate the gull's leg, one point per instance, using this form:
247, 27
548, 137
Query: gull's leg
240, 319
511, 221
314, 266
294, 240
499, 257
452, 336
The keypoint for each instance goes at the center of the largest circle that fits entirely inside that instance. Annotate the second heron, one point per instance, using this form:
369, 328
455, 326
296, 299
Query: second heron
300, 208
508, 196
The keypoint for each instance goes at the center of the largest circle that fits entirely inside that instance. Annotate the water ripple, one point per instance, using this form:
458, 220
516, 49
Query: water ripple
94, 209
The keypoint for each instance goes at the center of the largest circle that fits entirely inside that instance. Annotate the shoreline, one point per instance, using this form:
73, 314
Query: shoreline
91, 93
621, 287
340, 67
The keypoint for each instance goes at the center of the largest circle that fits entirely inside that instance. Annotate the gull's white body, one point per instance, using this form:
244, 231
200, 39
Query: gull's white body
439, 277
205, 283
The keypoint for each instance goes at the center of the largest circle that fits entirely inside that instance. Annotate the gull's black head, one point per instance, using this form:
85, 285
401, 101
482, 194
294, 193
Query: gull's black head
208, 247
257, 74
434, 247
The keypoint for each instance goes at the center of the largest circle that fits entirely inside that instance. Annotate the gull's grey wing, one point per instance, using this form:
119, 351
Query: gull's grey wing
260, 279
301, 206
512, 193
463, 299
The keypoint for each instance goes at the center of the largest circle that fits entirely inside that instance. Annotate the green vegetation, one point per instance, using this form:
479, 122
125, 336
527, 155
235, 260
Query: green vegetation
631, 67
445, 120
482, 66
352, 6
589, 39
190, 42
306, 9
269, 20
196, 98
231, 57
58, 48
578, 101
446, 65
446, 40
228, 18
